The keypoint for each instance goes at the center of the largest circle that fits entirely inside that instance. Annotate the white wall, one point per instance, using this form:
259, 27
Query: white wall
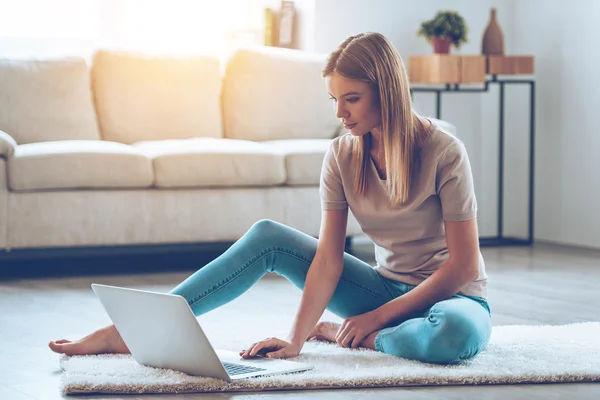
564, 38
304, 25
76, 28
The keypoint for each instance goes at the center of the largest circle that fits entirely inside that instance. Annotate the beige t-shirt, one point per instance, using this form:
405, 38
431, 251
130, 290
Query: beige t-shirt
410, 243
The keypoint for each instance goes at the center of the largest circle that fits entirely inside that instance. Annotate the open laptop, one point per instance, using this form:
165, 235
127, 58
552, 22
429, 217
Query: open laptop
161, 331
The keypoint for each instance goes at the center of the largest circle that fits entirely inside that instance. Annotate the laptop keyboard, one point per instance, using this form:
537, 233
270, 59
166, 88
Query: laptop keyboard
237, 369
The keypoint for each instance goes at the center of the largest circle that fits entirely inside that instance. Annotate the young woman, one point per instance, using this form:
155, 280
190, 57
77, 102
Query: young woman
409, 185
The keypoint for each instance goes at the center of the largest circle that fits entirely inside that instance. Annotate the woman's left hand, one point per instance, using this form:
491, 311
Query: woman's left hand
356, 328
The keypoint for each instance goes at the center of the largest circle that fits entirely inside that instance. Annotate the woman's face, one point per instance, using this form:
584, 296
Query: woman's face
355, 103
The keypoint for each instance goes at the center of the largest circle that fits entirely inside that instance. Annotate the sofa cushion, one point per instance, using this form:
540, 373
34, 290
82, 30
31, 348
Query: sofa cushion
78, 164
204, 162
303, 159
46, 100
7, 144
144, 99
273, 93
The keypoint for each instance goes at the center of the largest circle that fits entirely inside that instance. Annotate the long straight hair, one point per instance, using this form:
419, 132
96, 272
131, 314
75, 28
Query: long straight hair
370, 57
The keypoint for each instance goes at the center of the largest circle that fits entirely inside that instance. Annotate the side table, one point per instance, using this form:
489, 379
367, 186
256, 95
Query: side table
499, 239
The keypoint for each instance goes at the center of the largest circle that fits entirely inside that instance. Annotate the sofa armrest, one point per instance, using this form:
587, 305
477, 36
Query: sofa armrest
7, 145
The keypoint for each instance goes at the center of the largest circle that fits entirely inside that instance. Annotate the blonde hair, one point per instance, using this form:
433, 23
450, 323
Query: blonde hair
370, 57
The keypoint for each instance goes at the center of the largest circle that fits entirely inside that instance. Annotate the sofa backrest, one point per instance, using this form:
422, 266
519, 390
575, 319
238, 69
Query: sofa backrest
273, 93
142, 98
46, 100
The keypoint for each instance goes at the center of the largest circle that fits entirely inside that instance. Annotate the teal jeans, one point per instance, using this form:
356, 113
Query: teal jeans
451, 330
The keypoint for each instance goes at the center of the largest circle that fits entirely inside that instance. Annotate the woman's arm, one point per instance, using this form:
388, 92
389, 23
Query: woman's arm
461, 268
323, 275
321, 280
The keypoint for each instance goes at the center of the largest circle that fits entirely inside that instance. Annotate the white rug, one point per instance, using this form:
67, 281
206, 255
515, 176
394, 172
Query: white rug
516, 354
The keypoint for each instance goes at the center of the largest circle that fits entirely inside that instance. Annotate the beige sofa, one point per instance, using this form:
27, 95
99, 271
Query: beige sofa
134, 150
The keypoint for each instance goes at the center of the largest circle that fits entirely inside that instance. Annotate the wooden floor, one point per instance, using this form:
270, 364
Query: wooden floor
540, 285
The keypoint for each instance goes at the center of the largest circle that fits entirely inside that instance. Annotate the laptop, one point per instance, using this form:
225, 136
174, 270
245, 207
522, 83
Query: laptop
161, 331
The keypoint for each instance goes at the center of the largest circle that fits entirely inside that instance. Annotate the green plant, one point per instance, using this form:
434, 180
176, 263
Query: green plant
445, 24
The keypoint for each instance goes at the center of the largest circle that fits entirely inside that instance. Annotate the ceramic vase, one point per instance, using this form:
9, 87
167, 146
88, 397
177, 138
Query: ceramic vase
493, 39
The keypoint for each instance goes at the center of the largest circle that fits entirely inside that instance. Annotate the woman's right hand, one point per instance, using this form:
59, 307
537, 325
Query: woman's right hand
271, 348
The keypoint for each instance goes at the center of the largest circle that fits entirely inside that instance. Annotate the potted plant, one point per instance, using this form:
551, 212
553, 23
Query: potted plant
444, 29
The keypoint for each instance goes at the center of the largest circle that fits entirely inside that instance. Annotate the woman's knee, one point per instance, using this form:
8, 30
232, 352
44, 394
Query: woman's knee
267, 231
263, 224
272, 235
279, 235
267, 228
454, 336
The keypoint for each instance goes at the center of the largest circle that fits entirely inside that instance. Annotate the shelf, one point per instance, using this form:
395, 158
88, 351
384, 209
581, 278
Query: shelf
456, 69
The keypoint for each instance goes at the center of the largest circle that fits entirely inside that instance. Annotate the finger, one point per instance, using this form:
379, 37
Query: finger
246, 352
253, 348
277, 354
341, 329
348, 339
357, 339
341, 333
261, 345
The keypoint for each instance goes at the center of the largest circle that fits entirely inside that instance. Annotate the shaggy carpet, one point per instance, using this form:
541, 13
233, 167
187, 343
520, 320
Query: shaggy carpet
515, 354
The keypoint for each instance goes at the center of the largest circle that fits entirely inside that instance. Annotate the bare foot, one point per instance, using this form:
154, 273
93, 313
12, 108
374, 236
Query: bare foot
105, 340
324, 331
